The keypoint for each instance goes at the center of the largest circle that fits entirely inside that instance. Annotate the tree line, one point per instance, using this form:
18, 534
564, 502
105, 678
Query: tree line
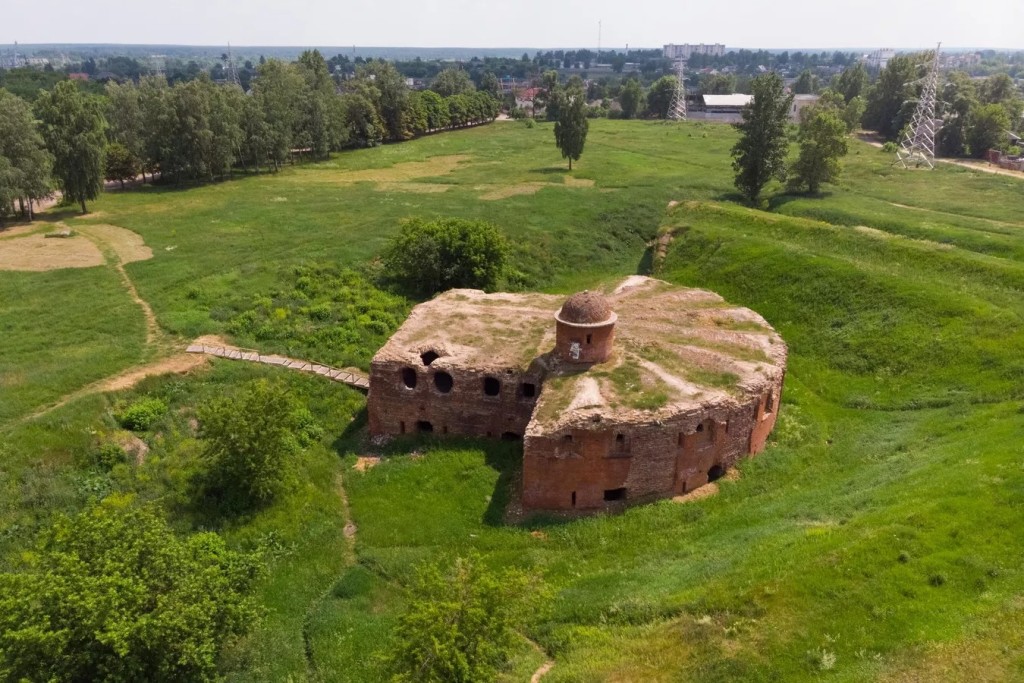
200, 131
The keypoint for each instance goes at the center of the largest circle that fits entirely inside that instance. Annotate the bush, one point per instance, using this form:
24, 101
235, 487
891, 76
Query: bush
141, 415
890, 148
462, 622
250, 438
428, 257
114, 595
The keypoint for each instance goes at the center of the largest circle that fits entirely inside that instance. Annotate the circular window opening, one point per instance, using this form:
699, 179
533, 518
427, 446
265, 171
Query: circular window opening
492, 387
429, 357
409, 378
443, 381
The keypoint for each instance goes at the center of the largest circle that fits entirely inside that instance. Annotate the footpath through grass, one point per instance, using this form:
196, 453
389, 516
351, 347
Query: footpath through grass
876, 539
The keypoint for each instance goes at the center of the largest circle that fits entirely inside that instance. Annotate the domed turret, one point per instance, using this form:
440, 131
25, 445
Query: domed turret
585, 328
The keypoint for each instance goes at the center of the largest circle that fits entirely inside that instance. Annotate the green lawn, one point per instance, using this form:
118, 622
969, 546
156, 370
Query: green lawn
877, 538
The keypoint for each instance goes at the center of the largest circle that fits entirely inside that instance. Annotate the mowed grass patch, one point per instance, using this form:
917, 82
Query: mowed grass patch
63, 330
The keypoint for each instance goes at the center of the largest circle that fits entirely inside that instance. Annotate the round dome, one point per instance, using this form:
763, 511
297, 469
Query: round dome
585, 308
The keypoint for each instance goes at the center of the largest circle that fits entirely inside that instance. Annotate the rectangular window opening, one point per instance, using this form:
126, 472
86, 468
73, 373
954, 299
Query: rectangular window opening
590, 338
614, 494
529, 390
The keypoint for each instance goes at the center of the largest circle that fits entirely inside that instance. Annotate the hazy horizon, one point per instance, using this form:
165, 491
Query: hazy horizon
465, 24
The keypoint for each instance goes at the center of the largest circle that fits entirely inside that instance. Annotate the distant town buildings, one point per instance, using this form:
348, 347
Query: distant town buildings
672, 51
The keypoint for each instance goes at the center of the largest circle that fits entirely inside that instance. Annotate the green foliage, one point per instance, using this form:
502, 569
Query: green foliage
852, 82
989, 124
452, 82
24, 162
462, 622
73, 128
760, 153
717, 84
142, 414
113, 594
806, 83
119, 163
886, 97
659, 97
822, 144
631, 98
250, 439
572, 125
427, 257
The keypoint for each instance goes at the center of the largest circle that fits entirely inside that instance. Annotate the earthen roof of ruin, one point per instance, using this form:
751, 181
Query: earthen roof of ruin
676, 350
586, 308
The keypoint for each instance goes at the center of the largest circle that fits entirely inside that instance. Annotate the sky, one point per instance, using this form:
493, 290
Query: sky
520, 23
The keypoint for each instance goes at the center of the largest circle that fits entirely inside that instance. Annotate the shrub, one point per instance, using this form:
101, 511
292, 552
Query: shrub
890, 148
141, 415
249, 438
462, 622
109, 455
428, 257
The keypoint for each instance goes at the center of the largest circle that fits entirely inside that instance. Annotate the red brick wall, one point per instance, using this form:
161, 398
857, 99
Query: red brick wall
466, 409
596, 350
650, 461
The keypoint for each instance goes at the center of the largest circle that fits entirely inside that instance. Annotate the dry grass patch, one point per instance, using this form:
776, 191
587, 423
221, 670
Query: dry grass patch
578, 182
22, 230
128, 245
413, 188
37, 253
401, 172
495, 192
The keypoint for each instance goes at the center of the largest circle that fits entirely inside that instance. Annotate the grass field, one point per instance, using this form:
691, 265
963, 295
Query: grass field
877, 539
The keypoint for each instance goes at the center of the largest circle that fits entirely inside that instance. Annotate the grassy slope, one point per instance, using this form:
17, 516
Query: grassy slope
874, 540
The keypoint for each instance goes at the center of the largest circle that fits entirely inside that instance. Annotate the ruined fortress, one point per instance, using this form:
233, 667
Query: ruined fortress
648, 391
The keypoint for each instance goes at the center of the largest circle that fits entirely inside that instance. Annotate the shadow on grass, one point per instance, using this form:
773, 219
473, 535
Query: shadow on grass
551, 170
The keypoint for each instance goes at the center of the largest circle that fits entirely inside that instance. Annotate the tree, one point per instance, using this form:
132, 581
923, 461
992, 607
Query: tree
989, 124
452, 82
250, 439
659, 97
73, 128
427, 257
959, 100
462, 623
113, 594
364, 127
717, 84
491, 85
124, 116
760, 153
572, 125
119, 163
885, 100
806, 83
822, 144
630, 98
25, 163
278, 90
389, 95
853, 82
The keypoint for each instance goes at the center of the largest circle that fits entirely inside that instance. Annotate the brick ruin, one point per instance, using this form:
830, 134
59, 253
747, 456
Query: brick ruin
645, 392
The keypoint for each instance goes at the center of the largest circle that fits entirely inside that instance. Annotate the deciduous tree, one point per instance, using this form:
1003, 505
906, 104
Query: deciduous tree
452, 82
631, 98
24, 162
572, 125
113, 594
659, 97
760, 153
73, 128
822, 144
885, 99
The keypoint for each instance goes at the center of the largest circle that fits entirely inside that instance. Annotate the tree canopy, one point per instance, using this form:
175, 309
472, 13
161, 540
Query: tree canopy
822, 144
24, 162
73, 128
760, 153
112, 594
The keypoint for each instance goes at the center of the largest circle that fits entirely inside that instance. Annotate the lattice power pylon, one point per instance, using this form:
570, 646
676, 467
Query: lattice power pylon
232, 68
677, 109
918, 146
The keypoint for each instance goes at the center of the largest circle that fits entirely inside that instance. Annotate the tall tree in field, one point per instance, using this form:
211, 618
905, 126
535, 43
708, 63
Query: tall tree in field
989, 124
119, 163
124, 119
659, 97
24, 161
73, 128
822, 144
391, 96
572, 124
853, 82
760, 153
157, 122
320, 122
806, 83
886, 98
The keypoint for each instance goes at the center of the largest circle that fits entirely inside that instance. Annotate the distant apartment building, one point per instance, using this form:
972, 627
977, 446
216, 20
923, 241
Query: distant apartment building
684, 51
878, 59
